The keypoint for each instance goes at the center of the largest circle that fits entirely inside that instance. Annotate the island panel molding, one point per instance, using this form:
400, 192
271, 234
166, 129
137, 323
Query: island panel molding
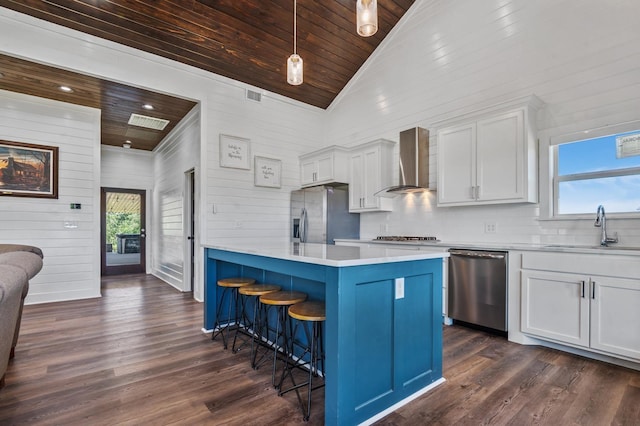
235, 152
28, 170
267, 172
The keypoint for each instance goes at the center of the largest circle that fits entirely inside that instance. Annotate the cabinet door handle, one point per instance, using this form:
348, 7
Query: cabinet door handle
593, 289
582, 290
473, 193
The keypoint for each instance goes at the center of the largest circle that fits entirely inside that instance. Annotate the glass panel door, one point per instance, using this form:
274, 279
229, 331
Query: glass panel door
123, 231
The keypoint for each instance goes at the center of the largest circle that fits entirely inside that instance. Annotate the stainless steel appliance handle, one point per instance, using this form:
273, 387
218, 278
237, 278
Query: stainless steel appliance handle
303, 225
480, 254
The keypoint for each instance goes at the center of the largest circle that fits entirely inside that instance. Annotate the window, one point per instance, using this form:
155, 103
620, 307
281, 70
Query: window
603, 170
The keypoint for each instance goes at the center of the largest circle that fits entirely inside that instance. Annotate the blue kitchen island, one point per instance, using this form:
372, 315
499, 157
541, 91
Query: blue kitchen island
383, 332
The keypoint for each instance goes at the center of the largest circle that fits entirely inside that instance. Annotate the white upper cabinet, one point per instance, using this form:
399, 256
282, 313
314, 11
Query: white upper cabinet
370, 167
328, 165
488, 159
457, 164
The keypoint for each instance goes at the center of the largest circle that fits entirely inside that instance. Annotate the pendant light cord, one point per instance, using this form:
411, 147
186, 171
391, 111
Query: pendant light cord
295, 26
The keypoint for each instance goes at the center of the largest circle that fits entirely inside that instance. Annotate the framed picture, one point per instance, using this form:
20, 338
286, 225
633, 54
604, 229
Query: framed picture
28, 170
268, 172
234, 152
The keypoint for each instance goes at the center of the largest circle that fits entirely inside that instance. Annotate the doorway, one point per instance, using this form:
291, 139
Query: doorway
123, 231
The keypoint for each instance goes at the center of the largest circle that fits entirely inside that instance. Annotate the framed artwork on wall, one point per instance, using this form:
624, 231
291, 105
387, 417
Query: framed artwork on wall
28, 170
235, 152
268, 172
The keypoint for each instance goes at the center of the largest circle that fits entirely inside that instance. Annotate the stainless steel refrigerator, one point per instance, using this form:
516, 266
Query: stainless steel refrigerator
321, 214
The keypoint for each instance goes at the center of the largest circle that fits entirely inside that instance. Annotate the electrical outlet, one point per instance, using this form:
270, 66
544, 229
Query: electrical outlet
490, 227
399, 288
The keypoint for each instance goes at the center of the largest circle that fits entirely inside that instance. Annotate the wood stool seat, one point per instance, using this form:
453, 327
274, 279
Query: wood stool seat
235, 282
258, 289
283, 298
231, 284
308, 311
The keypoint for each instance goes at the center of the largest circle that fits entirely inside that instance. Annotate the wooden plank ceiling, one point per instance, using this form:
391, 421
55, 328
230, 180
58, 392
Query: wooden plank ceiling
117, 101
246, 40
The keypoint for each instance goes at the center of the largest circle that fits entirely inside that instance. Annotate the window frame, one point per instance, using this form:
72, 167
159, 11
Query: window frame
584, 135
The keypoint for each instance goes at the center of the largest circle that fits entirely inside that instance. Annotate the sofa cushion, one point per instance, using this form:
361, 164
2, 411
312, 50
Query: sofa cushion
12, 281
30, 262
7, 248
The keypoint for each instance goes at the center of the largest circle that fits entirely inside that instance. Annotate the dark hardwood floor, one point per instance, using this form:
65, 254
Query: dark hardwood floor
137, 356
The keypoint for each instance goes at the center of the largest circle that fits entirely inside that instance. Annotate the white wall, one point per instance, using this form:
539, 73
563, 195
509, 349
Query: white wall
126, 168
71, 255
244, 211
448, 58
177, 154
277, 128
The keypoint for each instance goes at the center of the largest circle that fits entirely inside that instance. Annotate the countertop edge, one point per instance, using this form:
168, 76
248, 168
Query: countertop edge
558, 248
392, 258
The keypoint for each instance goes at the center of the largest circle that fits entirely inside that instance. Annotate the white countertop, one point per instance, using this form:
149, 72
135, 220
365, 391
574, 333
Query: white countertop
331, 255
445, 245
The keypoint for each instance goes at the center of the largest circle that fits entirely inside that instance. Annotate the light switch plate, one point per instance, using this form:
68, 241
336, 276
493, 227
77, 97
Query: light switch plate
400, 288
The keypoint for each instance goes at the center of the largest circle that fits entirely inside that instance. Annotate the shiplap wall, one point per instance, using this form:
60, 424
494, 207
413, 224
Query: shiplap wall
277, 127
236, 209
71, 267
177, 154
447, 58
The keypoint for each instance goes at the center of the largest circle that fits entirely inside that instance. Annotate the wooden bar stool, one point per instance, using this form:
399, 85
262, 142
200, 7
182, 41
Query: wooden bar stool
312, 357
230, 288
254, 325
281, 300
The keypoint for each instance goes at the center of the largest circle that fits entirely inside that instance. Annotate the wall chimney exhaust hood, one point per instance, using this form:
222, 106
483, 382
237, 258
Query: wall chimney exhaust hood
414, 163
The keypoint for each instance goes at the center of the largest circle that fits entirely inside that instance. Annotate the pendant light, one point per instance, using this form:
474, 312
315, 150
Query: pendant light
294, 63
367, 17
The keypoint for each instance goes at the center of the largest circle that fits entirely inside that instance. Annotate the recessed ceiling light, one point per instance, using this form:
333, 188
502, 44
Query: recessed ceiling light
66, 89
147, 106
126, 144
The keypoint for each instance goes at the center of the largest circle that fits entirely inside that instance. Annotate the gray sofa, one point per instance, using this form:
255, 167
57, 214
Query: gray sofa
18, 264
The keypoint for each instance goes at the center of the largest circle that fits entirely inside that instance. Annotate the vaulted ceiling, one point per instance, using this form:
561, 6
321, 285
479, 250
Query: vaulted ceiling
246, 40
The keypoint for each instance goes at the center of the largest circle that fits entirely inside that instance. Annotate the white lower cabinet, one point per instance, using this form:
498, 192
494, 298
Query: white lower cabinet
553, 306
615, 316
595, 312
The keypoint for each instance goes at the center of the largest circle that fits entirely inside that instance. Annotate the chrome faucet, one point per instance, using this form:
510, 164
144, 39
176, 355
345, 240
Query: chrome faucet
601, 222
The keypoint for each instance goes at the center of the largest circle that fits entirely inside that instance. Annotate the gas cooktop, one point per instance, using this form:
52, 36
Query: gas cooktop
404, 238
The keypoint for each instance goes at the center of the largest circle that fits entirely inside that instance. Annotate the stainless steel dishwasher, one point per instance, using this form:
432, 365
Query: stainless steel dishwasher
477, 287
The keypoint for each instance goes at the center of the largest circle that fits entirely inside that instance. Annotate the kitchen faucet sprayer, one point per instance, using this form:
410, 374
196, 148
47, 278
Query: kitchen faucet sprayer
601, 222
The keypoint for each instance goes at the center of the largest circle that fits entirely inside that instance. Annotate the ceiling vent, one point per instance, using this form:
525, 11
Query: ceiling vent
252, 95
148, 122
